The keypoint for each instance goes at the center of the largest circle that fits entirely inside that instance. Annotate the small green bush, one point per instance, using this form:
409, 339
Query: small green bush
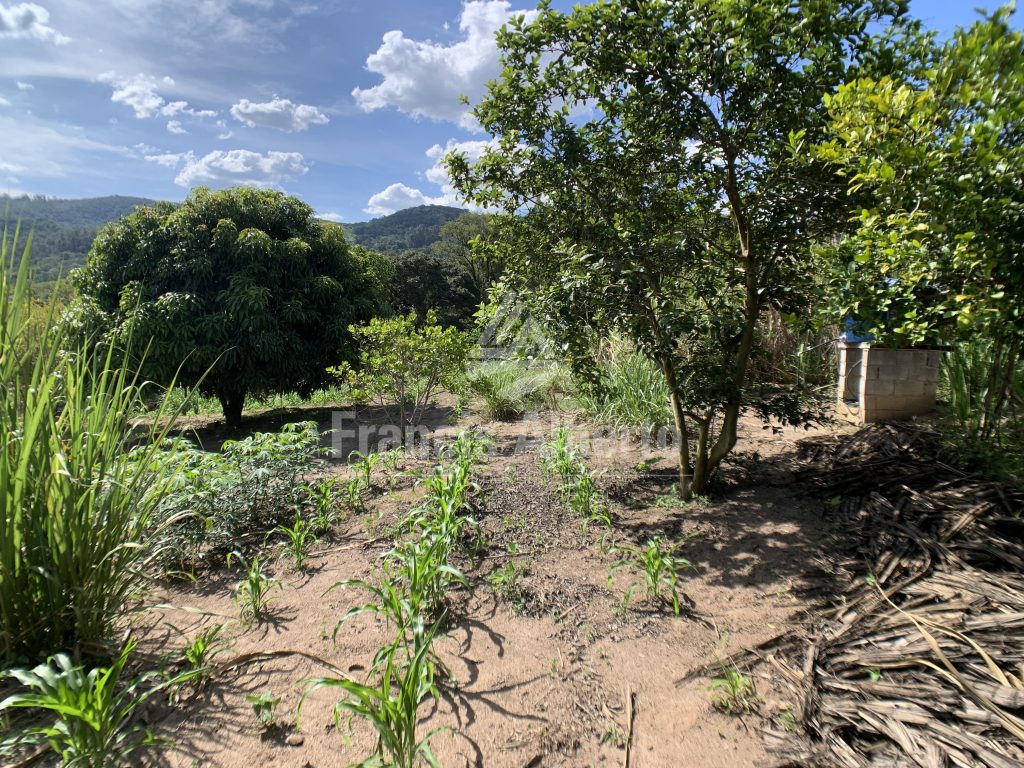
631, 392
509, 388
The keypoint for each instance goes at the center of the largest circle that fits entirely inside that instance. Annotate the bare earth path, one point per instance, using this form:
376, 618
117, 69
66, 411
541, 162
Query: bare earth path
567, 677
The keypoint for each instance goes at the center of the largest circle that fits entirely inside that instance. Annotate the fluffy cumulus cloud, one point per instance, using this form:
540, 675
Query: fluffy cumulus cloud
332, 216
396, 198
236, 166
282, 114
28, 21
399, 196
174, 126
425, 79
140, 92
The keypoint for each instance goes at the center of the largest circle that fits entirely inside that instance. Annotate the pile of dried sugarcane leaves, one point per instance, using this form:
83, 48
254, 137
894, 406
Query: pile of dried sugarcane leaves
920, 659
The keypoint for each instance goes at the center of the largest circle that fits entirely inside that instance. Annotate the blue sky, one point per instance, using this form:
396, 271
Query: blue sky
347, 103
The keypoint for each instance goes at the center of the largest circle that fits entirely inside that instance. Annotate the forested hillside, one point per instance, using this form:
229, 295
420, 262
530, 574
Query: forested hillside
412, 228
63, 230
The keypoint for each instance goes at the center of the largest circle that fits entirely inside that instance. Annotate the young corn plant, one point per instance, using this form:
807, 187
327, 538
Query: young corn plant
504, 582
264, 707
93, 710
299, 536
353, 489
364, 465
661, 568
733, 692
252, 593
198, 654
322, 496
391, 704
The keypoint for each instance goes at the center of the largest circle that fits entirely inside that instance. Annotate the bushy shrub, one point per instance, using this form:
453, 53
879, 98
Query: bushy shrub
509, 388
251, 485
630, 392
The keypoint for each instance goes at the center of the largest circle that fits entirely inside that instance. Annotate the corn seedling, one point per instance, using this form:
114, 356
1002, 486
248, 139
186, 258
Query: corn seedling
391, 705
252, 593
198, 654
733, 692
323, 498
660, 567
354, 494
299, 536
264, 707
364, 465
93, 710
504, 582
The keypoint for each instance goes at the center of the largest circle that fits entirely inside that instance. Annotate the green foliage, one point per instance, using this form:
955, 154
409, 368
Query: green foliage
427, 282
227, 291
577, 487
93, 710
659, 198
504, 582
198, 654
733, 692
660, 566
264, 707
364, 465
78, 498
252, 593
322, 499
630, 392
404, 365
300, 535
509, 388
391, 705
939, 153
214, 499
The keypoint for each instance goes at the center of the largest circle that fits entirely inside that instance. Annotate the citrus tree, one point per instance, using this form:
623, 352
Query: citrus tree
937, 251
646, 183
241, 291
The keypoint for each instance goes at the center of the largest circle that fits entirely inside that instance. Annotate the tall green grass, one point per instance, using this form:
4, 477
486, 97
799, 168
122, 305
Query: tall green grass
75, 512
509, 388
632, 392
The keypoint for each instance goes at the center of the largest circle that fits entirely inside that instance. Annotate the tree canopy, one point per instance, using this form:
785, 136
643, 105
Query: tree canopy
648, 186
241, 291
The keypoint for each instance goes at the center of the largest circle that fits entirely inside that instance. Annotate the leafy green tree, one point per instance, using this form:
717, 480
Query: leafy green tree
937, 253
240, 292
647, 184
403, 364
424, 282
484, 266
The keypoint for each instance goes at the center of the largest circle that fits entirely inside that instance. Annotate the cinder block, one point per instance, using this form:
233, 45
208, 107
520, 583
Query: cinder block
879, 386
908, 387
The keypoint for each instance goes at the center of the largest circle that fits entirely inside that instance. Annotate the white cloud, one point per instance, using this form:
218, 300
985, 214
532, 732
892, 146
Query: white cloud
396, 198
225, 132
4, 102
29, 21
239, 166
168, 160
38, 148
174, 126
332, 216
425, 79
399, 196
282, 114
140, 93
24, 86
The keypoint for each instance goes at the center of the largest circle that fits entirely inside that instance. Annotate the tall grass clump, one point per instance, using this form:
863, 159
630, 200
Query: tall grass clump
74, 510
631, 392
510, 388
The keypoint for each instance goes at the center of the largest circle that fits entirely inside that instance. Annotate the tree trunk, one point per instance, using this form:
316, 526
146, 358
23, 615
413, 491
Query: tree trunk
683, 447
231, 403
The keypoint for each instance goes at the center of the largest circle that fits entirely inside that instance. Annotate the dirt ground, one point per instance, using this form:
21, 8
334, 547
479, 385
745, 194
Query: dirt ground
564, 678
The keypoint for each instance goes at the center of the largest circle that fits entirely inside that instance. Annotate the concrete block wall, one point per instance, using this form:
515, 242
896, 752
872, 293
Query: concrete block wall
878, 383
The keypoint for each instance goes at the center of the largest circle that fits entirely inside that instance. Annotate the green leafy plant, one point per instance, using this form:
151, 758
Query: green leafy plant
660, 566
733, 692
364, 466
504, 582
630, 391
252, 593
404, 363
264, 707
93, 709
353, 489
198, 654
322, 496
391, 704
300, 535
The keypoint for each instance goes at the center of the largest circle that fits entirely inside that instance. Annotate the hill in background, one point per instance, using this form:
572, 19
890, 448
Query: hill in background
409, 229
62, 230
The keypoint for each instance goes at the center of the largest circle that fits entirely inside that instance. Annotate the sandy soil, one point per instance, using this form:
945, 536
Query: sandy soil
565, 680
